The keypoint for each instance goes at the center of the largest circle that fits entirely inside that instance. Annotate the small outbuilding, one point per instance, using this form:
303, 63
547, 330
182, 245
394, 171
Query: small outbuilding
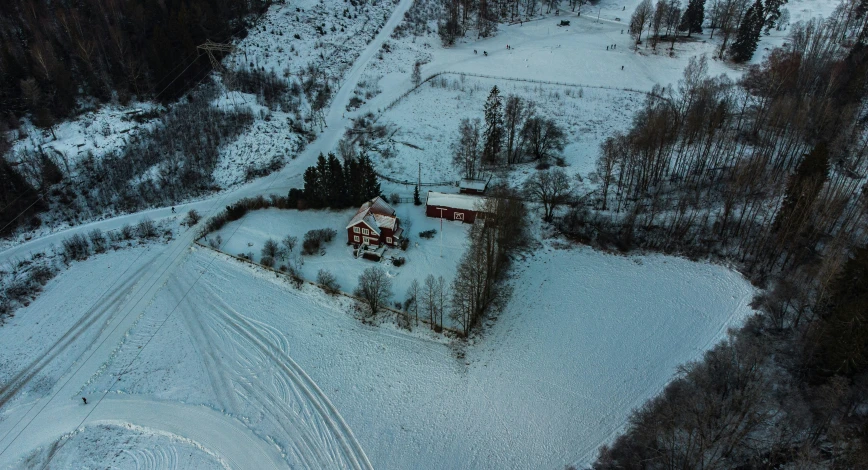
472, 186
375, 224
463, 207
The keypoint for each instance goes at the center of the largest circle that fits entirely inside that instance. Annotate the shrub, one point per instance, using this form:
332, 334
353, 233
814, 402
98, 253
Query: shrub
314, 239
428, 234
398, 261
146, 229
215, 242
76, 248
192, 218
97, 240
394, 198
328, 282
270, 248
267, 261
127, 232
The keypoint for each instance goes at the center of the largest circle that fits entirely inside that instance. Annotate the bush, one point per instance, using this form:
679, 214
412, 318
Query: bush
270, 248
328, 282
398, 261
267, 261
192, 218
215, 242
76, 248
127, 232
146, 229
314, 239
394, 198
97, 240
427, 234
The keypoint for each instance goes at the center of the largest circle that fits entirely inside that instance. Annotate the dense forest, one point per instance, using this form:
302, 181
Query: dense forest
54, 52
767, 174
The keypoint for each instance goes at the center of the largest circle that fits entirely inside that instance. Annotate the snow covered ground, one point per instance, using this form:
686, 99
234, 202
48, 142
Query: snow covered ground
235, 350
438, 256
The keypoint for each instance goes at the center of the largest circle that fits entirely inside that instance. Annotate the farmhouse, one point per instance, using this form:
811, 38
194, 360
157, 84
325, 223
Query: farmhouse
375, 224
463, 207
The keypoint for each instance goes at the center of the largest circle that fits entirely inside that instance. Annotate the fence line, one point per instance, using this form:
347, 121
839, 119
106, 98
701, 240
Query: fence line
337, 292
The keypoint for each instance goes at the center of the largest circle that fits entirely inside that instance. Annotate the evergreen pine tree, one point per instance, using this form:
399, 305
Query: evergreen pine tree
370, 185
311, 188
748, 34
693, 17
416, 199
493, 127
337, 189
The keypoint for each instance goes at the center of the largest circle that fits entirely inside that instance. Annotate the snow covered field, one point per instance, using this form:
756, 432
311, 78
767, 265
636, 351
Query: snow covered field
588, 116
587, 337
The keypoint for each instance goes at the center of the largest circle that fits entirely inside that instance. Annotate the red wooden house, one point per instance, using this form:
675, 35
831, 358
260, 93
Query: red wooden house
447, 206
375, 224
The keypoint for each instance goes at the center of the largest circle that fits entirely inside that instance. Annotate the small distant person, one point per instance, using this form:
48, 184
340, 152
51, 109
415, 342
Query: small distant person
84, 400
474, 51
607, 48
622, 67
173, 209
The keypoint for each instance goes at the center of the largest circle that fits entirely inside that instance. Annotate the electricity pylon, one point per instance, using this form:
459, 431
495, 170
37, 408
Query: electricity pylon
211, 47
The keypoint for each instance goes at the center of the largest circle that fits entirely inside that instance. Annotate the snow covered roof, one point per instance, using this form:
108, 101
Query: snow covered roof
456, 201
476, 185
379, 206
376, 214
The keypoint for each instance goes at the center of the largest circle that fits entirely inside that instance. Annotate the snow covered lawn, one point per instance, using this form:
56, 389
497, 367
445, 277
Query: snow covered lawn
423, 257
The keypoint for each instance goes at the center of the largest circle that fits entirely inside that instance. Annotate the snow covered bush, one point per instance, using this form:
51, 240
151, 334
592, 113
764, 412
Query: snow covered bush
327, 281
75, 248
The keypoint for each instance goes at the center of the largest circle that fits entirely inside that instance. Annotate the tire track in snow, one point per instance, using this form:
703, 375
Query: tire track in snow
301, 382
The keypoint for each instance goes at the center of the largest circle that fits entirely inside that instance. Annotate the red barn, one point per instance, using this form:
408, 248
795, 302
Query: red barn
375, 224
461, 207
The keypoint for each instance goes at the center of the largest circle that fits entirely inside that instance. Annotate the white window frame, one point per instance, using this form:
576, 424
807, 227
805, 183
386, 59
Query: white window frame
356, 230
367, 240
356, 238
365, 231
459, 216
389, 240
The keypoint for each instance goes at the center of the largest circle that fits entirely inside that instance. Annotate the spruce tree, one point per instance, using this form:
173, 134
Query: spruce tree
748, 34
493, 127
693, 17
416, 199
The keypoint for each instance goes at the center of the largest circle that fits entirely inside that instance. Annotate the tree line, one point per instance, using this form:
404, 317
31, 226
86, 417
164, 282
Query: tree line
512, 132
337, 185
739, 22
52, 53
767, 173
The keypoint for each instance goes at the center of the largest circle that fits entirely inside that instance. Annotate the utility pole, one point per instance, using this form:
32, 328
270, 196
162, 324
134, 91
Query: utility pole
441, 209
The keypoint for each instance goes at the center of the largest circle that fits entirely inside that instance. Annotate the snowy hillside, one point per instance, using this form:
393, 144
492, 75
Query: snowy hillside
174, 355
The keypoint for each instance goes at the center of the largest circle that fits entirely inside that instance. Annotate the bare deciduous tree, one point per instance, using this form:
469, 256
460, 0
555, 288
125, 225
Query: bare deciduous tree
375, 289
551, 188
